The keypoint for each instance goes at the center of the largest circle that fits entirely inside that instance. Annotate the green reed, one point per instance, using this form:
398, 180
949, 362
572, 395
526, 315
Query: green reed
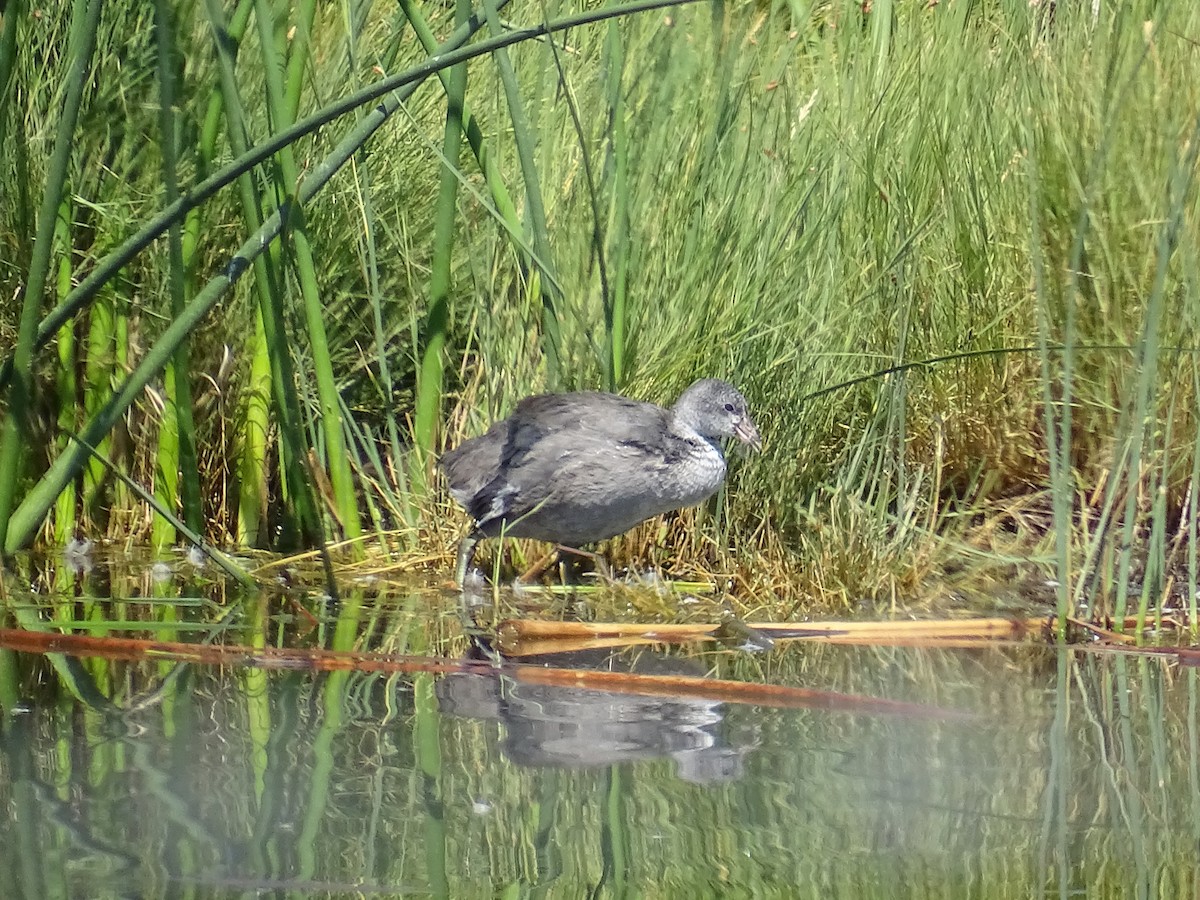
17, 429
177, 474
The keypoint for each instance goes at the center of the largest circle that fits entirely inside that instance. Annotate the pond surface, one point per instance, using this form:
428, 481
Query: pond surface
1073, 772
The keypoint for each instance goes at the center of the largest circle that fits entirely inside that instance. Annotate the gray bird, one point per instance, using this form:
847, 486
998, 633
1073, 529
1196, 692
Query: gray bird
582, 467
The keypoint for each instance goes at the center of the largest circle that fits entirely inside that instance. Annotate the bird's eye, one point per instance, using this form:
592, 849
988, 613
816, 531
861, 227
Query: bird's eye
729, 407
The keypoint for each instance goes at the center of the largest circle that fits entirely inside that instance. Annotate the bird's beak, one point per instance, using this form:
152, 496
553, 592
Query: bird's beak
748, 434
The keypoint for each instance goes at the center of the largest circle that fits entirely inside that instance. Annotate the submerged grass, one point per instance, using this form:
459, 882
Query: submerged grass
794, 200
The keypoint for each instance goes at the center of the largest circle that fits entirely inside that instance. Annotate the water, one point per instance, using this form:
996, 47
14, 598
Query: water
1075, 773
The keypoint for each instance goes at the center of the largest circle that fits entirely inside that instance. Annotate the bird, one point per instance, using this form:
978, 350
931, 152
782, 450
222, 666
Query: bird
576, 468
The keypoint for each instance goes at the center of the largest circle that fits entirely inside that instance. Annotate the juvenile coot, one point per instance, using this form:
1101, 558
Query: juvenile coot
582, 467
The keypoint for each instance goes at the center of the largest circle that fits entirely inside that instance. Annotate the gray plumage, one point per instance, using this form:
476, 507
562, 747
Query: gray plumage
582, 467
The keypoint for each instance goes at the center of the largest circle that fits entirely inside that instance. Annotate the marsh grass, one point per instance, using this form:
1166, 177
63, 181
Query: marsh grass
794, 199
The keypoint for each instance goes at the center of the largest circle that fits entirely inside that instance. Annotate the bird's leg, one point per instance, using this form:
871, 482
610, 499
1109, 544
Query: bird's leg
466, 553
534, 572
600, 562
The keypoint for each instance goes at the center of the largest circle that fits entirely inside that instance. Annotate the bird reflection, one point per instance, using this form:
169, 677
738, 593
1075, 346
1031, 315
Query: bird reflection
569, 727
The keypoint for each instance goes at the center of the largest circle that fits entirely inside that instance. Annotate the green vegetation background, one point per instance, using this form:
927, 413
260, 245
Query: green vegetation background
795, 197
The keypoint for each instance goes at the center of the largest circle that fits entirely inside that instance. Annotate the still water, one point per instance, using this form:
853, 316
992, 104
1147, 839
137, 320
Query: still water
1073, 773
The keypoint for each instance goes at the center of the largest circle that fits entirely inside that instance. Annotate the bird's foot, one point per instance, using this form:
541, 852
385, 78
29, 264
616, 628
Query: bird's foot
603, 572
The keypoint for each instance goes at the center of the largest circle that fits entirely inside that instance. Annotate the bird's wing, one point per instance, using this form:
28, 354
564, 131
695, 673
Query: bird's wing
544, 429
555, 440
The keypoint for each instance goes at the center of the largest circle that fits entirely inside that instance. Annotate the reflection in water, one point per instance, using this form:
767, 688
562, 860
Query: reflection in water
1079, 775
573, 727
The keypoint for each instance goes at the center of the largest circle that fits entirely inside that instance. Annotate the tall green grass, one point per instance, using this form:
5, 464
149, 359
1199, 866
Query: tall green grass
792, 198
